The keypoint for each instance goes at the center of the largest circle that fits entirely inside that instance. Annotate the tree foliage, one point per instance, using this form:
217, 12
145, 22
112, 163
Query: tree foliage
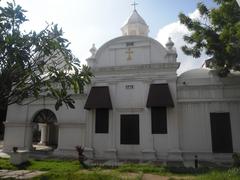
36, 63
217, 34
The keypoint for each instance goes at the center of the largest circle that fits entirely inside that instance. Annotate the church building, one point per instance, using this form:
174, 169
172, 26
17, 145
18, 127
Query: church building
136, 107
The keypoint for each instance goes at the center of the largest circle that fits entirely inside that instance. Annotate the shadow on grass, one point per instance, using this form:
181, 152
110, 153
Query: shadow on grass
24, 165
163, 170
187, 170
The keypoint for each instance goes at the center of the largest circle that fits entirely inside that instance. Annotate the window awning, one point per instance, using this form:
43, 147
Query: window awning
159, 96
98, 98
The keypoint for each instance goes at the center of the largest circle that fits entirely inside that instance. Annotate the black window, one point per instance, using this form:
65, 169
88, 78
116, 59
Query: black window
130, 129
101, 123
159, 120
3, 114
221, 133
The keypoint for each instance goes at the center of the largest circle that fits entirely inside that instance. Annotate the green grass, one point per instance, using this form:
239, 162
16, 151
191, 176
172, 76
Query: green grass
230, 174
5, 164
58, 166
69, 169
145, 168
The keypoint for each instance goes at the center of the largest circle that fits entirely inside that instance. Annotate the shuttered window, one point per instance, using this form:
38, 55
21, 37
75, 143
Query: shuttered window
101, 123
159, 120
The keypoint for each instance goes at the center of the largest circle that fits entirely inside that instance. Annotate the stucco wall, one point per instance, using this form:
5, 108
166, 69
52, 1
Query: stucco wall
144, 51
19, 122
200, 94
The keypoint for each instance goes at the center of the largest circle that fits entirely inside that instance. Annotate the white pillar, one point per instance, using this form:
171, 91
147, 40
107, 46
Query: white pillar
43, 128
238, 1
88, 150
175, 153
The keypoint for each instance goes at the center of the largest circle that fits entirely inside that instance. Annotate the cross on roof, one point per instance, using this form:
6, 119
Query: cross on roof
134, 4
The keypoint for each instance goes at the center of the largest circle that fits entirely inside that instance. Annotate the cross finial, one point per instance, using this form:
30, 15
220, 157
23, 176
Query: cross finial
134, 4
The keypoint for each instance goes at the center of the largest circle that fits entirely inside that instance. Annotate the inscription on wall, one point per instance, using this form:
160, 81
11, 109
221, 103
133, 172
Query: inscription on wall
130, 44
129, 86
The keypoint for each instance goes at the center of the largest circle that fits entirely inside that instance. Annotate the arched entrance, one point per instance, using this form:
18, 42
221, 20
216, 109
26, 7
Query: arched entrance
45, 130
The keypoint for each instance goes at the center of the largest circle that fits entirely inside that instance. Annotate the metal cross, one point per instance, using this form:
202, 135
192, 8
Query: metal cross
129, 52
134, 4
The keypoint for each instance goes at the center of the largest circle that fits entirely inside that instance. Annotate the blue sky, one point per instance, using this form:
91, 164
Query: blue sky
96, 21
159, 13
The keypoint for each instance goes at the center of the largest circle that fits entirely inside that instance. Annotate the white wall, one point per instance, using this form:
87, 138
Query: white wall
196, 101
71, 124
145, 51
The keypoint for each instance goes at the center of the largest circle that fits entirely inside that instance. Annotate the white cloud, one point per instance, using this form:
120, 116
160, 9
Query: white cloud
83, 22
176, 31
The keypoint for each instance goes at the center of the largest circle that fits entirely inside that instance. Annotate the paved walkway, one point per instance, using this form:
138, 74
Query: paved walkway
26, 174
19, 174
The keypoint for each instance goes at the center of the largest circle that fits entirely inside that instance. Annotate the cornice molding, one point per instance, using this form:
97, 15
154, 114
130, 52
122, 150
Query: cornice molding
210, 85
208, 100
128, 110
18, 124
71, 125
148, 79
165, 67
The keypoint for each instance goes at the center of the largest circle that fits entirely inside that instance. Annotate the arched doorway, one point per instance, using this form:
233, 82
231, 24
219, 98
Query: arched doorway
45, 130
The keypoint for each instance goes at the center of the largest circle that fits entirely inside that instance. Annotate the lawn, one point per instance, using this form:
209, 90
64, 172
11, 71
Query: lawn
70, 169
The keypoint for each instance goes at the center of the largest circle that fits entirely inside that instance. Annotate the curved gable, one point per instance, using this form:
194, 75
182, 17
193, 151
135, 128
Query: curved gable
130, 50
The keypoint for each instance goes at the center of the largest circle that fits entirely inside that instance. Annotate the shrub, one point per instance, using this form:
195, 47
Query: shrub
81, 156
236, 159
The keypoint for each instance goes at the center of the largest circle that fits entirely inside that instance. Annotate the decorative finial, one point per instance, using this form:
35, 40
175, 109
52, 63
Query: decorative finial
171, 50
93, 50
134, 4
170, 44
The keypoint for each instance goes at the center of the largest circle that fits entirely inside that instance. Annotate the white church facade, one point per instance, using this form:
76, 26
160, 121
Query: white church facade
137, 107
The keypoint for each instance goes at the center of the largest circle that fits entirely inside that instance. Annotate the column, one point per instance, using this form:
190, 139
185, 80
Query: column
174, 153
88, 149
43, 128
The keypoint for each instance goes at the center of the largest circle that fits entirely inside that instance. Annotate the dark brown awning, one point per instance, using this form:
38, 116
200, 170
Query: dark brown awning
159, 96
99, 98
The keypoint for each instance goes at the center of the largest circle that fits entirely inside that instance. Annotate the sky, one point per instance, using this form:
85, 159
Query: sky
85, 22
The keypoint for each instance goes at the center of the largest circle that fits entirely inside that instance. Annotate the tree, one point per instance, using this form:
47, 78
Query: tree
217, 34
36, 63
